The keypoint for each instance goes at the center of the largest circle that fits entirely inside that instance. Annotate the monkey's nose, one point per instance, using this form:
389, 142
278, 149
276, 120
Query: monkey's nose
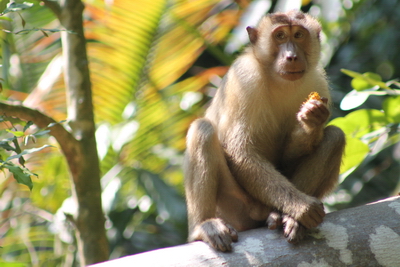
291, 57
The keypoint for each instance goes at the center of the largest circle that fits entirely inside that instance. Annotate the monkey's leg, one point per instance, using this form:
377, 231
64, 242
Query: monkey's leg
204, 161
316, 175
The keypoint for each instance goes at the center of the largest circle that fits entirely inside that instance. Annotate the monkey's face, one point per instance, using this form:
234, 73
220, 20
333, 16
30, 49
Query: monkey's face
290, 44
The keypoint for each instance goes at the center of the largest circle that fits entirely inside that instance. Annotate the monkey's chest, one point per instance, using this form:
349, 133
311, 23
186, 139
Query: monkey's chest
272, 140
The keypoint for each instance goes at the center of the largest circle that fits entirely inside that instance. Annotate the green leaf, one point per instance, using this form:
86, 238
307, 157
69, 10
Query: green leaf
41, 132
55, 123
5, 145
31, 136
20, 175
13, 264
27, 151
361, 122
355, 153
351, 73
353, 99
365, 81
391, 107
365, 124
28, 124
16, 133
5, 18
360, 84
3, 5
13, 7
373, 76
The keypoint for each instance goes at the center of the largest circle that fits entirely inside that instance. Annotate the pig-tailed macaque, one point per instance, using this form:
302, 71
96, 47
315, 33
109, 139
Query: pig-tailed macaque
263, 155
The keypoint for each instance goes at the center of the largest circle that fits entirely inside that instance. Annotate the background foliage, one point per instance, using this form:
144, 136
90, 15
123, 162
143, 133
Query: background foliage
154, 65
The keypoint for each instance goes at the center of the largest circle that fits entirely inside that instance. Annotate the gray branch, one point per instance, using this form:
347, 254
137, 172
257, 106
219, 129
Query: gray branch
364, 236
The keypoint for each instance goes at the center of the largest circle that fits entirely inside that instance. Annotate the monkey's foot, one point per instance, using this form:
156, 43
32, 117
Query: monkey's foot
216, 233
293, 230
274, 220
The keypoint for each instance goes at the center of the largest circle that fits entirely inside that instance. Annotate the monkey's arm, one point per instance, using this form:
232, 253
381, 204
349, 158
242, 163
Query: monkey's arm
309, 130
261, 180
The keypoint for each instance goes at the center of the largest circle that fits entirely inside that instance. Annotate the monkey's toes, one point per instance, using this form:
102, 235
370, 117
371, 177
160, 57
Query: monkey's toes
218, 234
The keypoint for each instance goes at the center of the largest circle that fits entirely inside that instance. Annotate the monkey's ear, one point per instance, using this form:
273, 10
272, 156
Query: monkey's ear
253, 34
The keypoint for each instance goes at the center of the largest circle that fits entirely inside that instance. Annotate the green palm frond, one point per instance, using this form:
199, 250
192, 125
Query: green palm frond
119, 54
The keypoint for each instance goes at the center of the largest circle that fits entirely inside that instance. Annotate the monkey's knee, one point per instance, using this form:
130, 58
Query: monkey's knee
335, 136
201, 133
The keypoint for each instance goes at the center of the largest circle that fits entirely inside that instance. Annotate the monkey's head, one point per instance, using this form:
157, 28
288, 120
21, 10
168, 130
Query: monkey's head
287, 43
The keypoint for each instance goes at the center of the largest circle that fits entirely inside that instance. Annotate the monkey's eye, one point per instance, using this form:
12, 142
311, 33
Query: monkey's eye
280, 35
298, 35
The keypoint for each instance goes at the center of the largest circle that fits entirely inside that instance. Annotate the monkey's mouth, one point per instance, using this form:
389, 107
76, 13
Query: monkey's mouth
292, 75
293, 72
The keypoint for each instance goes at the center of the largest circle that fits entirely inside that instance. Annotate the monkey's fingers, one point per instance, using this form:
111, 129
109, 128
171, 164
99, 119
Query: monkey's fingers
293, 230
313, 215
274, 220
316, 216
324, 99
313, 113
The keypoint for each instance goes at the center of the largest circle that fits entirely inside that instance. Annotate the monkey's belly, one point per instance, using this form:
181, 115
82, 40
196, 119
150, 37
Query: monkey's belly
241, 211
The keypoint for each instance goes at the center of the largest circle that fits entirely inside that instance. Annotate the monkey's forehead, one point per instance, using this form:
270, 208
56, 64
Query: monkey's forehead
293, 26
291, 19
288, 18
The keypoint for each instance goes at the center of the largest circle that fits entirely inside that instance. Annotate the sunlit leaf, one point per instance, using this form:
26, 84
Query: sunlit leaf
16, 133
360, 122
366, 80
5, 18
391, 106
119, 60
353, 99
360, 84
355, 153
12, 264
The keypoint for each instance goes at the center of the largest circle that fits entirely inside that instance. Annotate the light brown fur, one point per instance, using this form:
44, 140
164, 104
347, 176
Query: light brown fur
260, 156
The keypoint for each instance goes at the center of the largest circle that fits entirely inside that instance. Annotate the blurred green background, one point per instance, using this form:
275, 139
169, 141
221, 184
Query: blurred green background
155, 64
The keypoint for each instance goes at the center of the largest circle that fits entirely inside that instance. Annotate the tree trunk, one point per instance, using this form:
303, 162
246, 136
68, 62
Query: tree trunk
84, 166
78, 146
364, 236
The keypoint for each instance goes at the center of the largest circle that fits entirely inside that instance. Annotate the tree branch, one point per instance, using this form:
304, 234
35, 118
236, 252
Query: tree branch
54, 6
364, 236
64, 138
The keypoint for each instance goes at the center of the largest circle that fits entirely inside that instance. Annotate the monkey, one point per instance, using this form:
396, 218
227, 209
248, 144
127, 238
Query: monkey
262, 155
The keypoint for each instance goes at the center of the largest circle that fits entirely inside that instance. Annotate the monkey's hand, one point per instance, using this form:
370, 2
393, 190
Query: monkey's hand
311, 214
313, 114
293, 230
217, 233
